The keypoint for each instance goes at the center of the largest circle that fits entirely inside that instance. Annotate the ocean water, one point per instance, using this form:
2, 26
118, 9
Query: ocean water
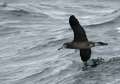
31, 31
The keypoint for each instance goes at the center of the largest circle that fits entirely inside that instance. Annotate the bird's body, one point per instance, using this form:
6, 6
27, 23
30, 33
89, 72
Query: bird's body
81, 41
80, 45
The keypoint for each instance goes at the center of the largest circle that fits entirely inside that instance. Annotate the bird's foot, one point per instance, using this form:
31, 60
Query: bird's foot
100, 44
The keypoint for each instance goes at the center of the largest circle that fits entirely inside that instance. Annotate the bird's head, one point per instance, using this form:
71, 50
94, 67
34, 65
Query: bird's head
66, 45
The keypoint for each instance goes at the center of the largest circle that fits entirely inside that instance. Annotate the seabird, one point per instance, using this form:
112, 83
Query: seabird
81, 41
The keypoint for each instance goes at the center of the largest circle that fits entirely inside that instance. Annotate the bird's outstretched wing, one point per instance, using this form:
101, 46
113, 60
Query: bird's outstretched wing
79, 32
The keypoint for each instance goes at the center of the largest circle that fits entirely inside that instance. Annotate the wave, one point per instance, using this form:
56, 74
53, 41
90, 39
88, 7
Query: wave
103, 19
106, 72
19, 12
4, 4
70, 72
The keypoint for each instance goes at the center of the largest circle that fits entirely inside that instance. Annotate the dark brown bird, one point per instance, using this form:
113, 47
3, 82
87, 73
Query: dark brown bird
81, 41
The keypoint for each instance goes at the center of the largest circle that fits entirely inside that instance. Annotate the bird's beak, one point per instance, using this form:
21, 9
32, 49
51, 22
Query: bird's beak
61, 47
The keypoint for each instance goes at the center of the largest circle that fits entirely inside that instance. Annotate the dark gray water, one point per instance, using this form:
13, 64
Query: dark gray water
31, 31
